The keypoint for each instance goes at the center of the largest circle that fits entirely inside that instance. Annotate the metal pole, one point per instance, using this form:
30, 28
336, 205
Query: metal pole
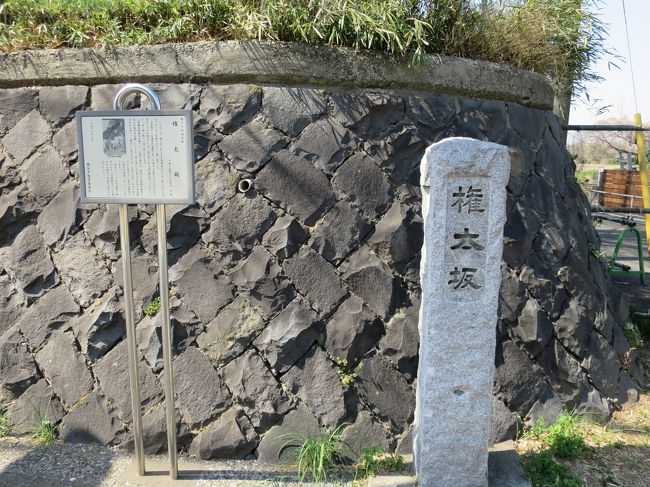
164, 311
134, 381
166, 340
645, 191
605, 128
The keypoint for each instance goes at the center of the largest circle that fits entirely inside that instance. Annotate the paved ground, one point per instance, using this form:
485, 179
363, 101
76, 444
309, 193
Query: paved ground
75, 465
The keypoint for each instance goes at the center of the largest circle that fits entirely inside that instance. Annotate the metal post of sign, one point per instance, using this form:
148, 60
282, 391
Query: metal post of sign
125, 243
164, 310
166, 339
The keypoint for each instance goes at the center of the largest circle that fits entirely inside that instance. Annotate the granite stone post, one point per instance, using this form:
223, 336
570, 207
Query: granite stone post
463, 205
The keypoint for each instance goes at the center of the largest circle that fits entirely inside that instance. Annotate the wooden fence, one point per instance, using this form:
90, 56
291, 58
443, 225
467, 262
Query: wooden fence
617, 186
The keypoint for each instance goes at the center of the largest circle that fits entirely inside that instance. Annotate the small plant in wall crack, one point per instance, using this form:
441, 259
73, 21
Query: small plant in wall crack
346, 372
599, 254
152, 308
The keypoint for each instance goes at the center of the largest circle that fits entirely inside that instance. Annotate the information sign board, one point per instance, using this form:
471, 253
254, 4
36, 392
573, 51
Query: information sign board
132, 157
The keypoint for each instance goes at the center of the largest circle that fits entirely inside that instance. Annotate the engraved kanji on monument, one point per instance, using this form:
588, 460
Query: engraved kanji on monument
463, 204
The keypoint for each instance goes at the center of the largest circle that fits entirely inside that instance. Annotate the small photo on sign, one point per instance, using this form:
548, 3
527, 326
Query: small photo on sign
114, 137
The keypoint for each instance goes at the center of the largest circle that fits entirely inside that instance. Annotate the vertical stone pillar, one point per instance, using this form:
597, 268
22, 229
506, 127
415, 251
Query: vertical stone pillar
463, 205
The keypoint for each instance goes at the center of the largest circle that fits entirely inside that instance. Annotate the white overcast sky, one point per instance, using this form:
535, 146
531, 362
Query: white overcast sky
616, 88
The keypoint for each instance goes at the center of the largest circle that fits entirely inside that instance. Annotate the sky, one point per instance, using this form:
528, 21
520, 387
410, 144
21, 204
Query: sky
616, 88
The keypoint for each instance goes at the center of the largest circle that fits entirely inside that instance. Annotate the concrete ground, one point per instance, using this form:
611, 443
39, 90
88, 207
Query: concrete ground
82, 465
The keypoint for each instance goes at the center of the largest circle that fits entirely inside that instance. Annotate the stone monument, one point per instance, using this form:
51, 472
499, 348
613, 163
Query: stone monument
463, 205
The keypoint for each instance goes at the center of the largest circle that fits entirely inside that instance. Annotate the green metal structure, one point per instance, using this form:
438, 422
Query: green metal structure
615, 268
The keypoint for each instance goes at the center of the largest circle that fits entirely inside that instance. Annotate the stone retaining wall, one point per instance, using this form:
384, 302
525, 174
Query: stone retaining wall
319, 264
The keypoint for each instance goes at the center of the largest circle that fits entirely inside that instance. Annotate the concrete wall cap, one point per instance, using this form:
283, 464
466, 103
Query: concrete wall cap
275, 63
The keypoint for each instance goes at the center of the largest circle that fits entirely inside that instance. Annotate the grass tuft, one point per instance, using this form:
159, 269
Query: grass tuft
374, 460
561, 440
544, 471
642, 322
5, 425
558, 38
45, 432
316, 455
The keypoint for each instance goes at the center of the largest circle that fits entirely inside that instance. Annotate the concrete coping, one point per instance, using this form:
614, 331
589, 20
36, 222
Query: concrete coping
283, 63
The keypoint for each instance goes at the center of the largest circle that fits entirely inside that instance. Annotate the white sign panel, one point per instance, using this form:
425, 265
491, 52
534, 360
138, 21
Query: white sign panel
136, 156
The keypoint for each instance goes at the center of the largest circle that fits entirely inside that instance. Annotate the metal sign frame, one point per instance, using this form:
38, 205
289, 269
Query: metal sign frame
189, 193
125, 244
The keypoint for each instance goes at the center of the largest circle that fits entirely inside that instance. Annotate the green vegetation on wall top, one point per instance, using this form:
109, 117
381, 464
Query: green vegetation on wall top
559, 38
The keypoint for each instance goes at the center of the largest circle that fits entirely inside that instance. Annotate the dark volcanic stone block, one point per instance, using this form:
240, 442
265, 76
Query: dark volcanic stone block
101, 326
65, 368
239, 225
216, 182
232, 436
200, 391
339, 232
44, 173
289, 335
203, 292
59, 217
228, 107
402, 340
232, 331
19, 146
284, 237
367, 114
567, 377
47, 316
263, 399
252, 146
113, 375
11, 304
294, 184
58, 103
372, 280
28, 263
365, 184
352, 330
17, 366
14, 105
326, 144
91, 422
398, 236
387, 391
533, 327
292, 109
365, 432
34, 405
260, 277
604, 369
316, 279
314, 379
81, 270
516, 378
300, 421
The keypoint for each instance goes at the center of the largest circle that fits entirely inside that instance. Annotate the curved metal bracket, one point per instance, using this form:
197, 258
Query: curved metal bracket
131, 88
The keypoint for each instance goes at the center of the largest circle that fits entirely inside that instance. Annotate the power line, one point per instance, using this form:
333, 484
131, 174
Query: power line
629, 53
